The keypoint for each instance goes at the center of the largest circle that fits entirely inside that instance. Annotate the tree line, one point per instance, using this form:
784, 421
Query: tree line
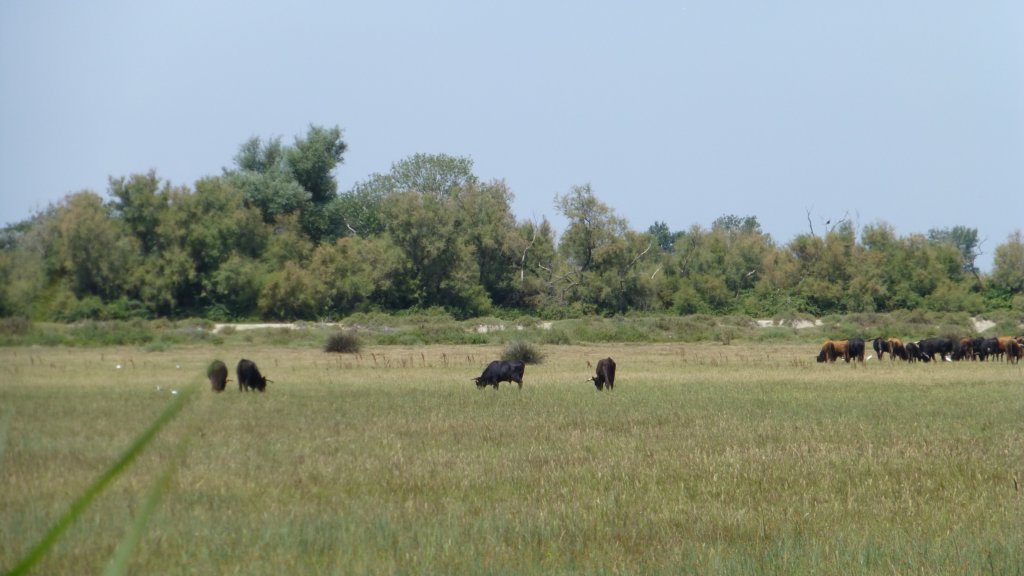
273, 238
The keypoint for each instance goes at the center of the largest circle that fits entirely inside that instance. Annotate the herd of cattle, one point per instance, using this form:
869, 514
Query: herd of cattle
1002, 348
249, 377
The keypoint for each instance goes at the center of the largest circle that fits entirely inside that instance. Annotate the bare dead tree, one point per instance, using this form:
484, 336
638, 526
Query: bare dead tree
845, 219
522, 260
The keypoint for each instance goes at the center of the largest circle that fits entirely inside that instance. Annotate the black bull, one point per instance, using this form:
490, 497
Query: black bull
501, 371
249, 376
605, 374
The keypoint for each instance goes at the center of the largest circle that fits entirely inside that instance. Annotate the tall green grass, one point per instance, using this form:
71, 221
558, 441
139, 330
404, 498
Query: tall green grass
706, 459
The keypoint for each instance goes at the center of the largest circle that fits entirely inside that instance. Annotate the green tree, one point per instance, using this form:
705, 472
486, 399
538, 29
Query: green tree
93, 250
281, 180
263, 177
139, 203
360, 210
438, 268
24, 270
663, 237
592, 225
234, 288
488, 226
354, 274
290, 294
312, 161
604, 257
965, 240
537, 264
435, 174
1008, 264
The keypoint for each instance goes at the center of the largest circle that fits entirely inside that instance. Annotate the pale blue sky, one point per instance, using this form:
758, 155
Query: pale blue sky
910, 112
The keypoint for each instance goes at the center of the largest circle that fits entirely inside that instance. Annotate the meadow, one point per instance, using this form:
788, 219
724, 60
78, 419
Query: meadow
707, 458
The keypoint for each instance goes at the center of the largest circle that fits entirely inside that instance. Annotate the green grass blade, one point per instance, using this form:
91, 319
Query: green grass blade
5, 424
83, 501
119, 561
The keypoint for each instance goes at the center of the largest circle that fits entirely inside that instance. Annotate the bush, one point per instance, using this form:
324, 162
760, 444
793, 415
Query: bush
15, 326
343, 343
523, 351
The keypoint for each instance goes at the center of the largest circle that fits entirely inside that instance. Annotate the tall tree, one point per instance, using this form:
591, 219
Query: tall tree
93, 250
140, 204
436, 174
487, 224
312, 161
965, 240
438, 264
1008, 268
601, 252
592, 224
282, 180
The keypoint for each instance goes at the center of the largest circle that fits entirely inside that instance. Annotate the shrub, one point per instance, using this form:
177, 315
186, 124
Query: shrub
523, 351
15, 326
343, 343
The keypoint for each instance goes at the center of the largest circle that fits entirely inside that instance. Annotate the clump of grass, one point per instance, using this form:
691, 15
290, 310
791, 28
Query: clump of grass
343, 343
524, 351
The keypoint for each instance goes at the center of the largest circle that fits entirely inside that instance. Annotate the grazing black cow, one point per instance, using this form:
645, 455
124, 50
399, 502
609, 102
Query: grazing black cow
217, 373
501, 371
930, 347
986, 347
977, 348
855, 349
913, 352
605, 374
249, 376
881, 346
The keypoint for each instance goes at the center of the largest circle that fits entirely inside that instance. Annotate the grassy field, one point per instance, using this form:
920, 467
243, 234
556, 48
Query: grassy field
705, 459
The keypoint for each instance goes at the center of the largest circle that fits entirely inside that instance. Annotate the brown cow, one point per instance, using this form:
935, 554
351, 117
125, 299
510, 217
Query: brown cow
965, 349
1010, 347
217, 373
896, 349
833, 349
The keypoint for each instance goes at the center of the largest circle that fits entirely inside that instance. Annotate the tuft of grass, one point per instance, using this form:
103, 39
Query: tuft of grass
343, 343
525, 352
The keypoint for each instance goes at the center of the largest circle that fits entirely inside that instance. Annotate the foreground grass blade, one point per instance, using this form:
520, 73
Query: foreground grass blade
119, 562
78, 506
5, 423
